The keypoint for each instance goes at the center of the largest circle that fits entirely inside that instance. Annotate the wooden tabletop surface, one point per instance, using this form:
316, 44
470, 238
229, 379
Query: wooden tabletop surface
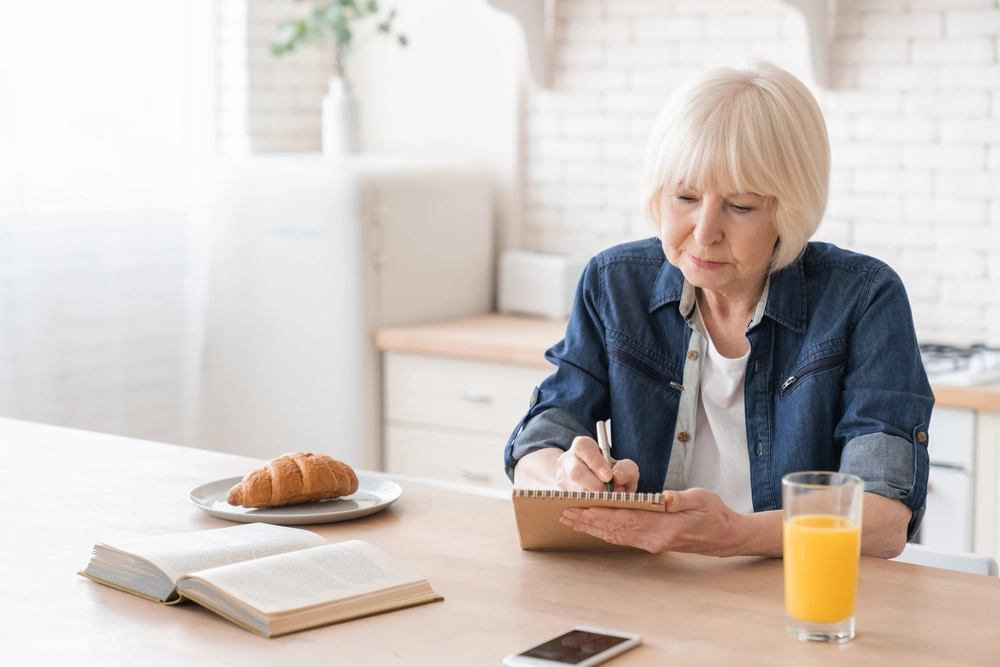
523, 340
63, 490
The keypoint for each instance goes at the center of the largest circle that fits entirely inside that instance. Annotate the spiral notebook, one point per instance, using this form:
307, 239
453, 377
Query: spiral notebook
537, 514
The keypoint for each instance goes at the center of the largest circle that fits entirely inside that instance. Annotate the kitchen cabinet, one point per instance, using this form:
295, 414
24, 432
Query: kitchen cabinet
977, 410
987, 504
948, 520
449, 419
453, 392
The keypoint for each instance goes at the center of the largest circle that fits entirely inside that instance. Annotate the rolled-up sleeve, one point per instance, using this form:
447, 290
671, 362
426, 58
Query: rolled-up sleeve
552, 428
577, 393
887, 399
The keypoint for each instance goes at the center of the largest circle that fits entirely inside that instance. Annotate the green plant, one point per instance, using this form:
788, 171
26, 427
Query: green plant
331, 19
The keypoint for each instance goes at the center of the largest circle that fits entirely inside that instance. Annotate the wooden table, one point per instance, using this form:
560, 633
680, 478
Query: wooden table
62, 490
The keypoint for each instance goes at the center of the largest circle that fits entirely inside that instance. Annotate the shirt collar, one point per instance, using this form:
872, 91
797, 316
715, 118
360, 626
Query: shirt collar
783, 300
787, 305
668, 286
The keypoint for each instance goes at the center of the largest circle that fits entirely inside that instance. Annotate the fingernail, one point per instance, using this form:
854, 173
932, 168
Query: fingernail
566, 522
605, 475
571, 514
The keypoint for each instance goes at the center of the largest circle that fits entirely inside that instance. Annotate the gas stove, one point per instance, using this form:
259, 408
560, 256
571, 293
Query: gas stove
960, 366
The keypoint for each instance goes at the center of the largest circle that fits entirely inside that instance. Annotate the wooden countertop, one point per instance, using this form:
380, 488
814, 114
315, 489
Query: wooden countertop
63, 490
523, 340
985, 397
494, 337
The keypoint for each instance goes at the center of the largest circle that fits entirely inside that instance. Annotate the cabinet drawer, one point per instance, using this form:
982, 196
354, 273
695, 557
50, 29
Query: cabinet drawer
952, 437
451, 457
947, 523
436, 391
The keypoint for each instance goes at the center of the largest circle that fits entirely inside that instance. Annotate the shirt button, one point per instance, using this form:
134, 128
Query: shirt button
682, 436
921, 437
692, 355
760, 448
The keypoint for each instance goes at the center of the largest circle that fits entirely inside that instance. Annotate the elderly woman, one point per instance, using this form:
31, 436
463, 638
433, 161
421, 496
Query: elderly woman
730, 351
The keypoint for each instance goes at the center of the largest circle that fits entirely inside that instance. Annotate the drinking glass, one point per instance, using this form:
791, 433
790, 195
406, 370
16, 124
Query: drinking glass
822, 548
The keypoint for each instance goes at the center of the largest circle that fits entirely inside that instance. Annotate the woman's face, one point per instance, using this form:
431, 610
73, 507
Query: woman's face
720, 242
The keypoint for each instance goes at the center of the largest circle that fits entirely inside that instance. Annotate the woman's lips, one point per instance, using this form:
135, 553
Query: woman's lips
703, 264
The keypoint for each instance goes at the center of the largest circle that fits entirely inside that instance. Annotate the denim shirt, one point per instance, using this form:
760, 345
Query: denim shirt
834, 379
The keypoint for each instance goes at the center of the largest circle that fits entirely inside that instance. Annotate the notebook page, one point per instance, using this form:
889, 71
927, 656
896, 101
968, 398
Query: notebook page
537, 515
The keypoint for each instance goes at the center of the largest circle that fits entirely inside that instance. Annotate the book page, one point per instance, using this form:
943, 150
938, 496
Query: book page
183, 553
311, 577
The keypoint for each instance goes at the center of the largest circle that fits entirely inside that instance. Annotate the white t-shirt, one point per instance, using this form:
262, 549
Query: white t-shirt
720, 460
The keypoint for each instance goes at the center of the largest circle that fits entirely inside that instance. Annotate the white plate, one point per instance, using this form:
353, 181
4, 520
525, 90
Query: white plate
374, 494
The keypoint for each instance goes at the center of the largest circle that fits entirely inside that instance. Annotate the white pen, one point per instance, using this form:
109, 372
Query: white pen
605, 445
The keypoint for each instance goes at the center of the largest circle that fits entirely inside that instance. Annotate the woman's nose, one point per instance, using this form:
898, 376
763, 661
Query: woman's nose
708, 226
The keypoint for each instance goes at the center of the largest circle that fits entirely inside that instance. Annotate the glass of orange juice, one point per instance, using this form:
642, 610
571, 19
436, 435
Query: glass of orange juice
822, 547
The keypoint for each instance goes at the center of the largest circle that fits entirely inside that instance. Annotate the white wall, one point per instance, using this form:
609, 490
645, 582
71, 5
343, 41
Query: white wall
454, 90
266, 104
913, 115
98, 128
92, 310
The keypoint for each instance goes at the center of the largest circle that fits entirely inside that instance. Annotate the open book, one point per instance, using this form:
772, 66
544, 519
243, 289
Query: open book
268, 579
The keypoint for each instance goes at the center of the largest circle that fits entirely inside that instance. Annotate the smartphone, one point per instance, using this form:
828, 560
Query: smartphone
582, 646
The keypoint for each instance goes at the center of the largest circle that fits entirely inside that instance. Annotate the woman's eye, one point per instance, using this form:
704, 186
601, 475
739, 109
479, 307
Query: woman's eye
685, 198
742, 209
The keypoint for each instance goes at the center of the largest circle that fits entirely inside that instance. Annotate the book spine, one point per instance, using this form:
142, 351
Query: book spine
589, 495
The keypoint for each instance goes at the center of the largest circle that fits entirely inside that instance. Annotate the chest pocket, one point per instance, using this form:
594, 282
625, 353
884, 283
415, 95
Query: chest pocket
632, 361
821, 365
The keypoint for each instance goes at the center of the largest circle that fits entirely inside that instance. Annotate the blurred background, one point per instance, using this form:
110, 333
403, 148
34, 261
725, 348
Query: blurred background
195, 250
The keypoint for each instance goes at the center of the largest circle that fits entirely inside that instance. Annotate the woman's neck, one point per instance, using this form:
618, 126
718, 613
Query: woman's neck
727, 317
724, 307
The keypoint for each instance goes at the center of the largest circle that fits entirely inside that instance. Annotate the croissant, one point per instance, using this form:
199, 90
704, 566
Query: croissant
294, 478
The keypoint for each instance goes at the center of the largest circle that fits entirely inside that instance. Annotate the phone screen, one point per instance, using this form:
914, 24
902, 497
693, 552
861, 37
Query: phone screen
574, 647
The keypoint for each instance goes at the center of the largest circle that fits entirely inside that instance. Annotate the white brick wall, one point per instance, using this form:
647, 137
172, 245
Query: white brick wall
91, 316
267, 104
92, 239
913, 116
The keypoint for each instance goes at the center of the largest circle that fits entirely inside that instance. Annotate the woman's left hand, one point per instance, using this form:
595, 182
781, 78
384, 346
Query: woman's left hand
696, 521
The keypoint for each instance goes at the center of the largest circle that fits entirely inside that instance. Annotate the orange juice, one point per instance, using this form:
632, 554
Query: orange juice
821, 567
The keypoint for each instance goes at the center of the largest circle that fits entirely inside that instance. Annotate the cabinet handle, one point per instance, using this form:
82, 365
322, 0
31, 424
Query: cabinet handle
475, 476
476, 396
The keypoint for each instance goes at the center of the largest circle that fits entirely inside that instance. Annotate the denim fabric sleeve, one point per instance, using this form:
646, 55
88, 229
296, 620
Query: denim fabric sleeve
552, 428
579, 387
887, 399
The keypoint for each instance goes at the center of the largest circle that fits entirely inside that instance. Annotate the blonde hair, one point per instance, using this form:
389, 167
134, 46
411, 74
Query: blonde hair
752, 129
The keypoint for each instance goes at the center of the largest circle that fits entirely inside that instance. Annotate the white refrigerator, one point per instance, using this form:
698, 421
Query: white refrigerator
308, 256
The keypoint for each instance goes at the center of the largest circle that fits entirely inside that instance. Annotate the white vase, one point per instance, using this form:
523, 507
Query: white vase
340, 120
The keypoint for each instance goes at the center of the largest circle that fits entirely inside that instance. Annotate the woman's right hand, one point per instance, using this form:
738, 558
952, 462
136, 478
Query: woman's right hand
583, 468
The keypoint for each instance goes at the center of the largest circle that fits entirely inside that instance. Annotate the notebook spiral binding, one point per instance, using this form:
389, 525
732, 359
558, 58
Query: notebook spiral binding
588, 495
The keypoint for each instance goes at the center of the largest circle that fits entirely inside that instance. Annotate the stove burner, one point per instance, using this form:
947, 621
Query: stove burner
940, 350
951, 364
